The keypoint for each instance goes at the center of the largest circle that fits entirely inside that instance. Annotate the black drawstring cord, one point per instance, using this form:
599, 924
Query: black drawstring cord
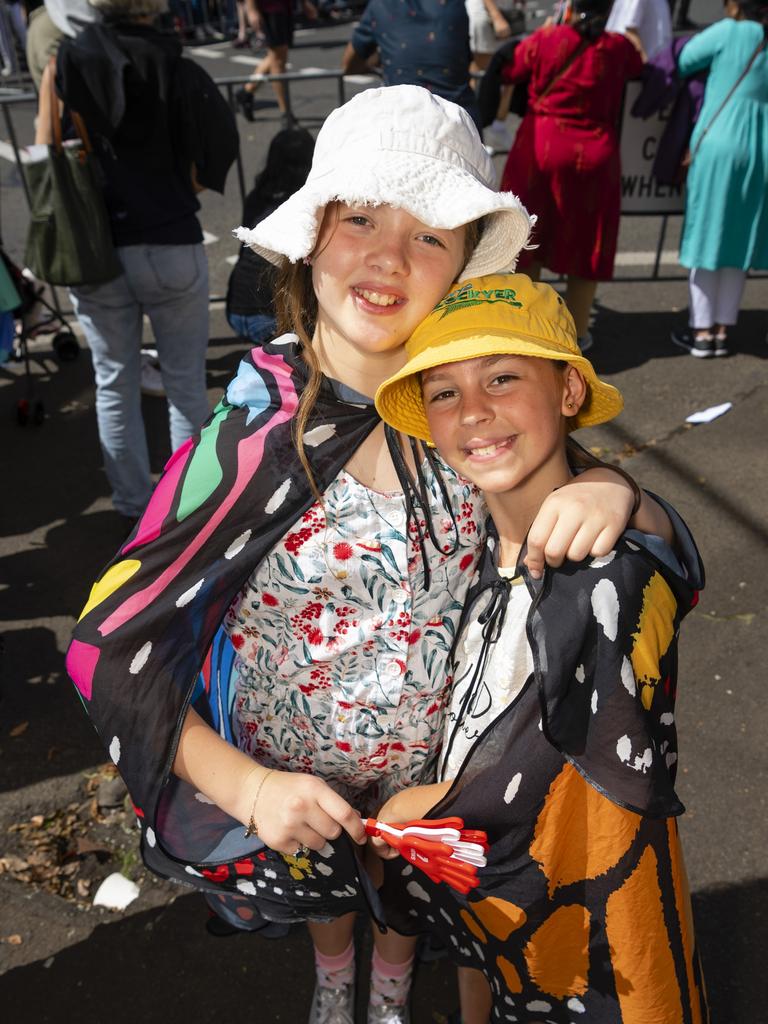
412, 499
492, 621
417, 498
433, 465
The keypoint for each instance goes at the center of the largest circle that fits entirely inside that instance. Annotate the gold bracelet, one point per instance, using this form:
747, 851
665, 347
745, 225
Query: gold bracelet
253, 828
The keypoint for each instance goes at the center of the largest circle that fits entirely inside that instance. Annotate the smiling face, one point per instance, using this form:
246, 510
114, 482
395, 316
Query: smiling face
500, 421
377, 272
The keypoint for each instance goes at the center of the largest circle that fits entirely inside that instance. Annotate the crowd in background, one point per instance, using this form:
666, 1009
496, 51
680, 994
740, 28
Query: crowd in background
111, 63
566, 80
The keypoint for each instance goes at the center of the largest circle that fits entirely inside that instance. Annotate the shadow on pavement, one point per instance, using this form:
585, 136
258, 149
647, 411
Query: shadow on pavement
161, 965
733, 938
624, 340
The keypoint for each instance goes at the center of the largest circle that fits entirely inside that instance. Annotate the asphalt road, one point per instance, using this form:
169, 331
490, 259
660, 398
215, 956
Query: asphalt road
155, 962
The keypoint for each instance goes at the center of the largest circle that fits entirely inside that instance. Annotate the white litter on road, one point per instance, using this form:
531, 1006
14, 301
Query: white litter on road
707, 415
115, 892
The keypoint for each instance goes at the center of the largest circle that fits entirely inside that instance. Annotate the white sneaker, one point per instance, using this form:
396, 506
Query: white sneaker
333, 1005
388, 1013
151, 377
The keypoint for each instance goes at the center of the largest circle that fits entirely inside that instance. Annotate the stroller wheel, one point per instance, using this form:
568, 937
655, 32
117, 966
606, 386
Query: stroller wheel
66, 346
22, 412
38, 414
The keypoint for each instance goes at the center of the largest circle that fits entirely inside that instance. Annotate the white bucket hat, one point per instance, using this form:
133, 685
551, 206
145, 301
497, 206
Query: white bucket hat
404, 147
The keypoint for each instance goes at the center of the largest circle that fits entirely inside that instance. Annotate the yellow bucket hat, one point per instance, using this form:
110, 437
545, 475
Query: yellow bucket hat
499, 314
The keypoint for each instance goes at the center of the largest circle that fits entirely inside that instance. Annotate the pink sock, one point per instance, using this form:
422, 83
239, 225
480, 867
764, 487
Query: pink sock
335, 971
390, 983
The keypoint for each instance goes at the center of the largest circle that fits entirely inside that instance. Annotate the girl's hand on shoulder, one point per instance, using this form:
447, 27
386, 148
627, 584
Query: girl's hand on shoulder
294, 809
584, 517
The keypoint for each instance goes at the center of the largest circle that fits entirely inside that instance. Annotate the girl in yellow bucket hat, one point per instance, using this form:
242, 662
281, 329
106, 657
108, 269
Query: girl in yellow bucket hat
559, 739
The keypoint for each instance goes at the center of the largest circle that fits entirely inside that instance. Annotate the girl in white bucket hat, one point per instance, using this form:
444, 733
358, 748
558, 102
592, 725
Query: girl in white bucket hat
337, 557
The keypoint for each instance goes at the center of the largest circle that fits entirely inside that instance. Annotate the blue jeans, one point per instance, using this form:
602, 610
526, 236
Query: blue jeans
255, 327
168, 283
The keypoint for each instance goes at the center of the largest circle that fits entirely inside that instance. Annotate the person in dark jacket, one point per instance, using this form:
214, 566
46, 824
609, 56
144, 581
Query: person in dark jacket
250, 293
120, 76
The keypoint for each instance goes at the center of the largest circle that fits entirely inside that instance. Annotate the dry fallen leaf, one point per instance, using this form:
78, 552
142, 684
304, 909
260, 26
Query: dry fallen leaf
19, 729
37, 820
85, 845
13, 940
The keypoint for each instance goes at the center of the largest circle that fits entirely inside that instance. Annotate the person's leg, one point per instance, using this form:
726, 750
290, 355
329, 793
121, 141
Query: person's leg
579, 295
7, 45
241, 39
391, 973
334, 996
702, 293
278, 57
730, 289
111, 320
244, 96
702, 290
475, 996
171, 282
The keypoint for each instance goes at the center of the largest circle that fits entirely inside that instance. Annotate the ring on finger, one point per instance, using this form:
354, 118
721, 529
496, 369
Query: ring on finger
302, 851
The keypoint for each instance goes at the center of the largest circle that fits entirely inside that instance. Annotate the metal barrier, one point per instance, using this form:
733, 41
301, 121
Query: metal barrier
229, 83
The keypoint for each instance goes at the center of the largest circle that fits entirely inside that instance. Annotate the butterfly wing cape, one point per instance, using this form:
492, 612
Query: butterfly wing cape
582, 908
149, 640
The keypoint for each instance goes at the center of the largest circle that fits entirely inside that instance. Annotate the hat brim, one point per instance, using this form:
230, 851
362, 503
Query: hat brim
440, 194
400, 403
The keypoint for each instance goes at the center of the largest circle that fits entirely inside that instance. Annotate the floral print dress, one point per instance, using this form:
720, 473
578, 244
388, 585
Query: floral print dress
341, 667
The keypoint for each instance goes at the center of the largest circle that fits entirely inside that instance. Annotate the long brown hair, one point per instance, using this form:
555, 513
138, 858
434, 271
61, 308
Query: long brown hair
296, 312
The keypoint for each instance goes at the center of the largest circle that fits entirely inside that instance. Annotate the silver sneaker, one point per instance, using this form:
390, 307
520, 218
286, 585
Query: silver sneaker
388, 1013
333, 1005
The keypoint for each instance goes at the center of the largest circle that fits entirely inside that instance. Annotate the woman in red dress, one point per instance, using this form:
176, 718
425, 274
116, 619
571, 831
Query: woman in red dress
564, 164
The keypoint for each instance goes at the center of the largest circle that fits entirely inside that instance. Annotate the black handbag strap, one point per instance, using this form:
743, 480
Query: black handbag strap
734, 87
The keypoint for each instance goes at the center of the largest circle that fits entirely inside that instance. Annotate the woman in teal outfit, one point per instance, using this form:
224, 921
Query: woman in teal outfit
725, 232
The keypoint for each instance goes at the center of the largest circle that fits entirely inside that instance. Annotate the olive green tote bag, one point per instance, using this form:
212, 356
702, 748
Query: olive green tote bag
69, 241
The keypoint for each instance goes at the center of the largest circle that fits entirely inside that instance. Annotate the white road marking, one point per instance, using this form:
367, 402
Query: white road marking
360, 79
208, 238
646, 258
206, 51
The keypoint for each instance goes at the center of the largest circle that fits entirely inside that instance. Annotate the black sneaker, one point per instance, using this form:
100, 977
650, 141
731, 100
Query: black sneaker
244, 101
702, 348
288, 122
721, 345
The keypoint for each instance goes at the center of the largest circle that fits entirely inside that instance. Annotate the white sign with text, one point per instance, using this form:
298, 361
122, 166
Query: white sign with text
640, 191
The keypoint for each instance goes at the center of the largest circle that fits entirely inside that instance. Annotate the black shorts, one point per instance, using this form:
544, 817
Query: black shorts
278, 29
